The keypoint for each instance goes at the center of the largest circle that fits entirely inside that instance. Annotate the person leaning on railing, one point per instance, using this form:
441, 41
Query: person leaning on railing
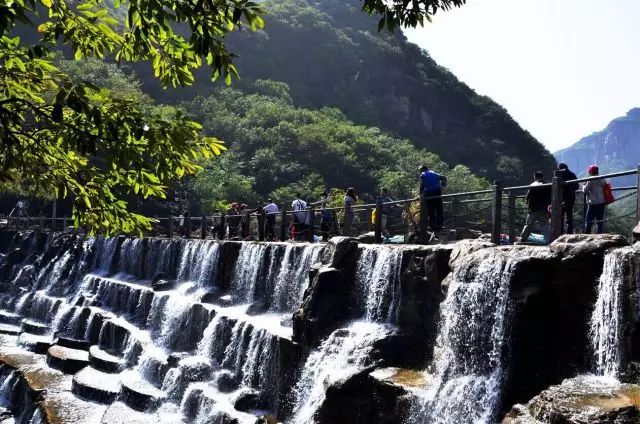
594, 194
270, 210
350, 200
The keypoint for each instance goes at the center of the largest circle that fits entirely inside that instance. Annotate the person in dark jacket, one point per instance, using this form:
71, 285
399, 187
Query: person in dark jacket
431, 184
568, 196
538, 199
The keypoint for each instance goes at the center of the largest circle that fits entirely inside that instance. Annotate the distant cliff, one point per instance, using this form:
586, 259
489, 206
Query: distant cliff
615, 148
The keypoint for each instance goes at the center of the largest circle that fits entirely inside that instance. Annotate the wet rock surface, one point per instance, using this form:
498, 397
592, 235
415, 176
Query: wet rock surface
583, 400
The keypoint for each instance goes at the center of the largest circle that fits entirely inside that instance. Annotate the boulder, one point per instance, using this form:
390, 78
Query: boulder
421, 293
363, 398
367, 238
342, 248
324, 309
250, 400
159, 277
582, 400
326, 304
569, 245
257, 308
636, 233
163, 285
267, 419
464, 248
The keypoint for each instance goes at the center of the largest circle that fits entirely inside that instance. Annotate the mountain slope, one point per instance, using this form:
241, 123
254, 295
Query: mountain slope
615, 148
330, 54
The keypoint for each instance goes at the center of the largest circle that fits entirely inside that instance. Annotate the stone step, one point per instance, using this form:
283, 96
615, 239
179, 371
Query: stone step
104, 361
67, 360
11, 330
34, 327
72, 343
35, 343
120, 413
92, 384
7, 317
141, 395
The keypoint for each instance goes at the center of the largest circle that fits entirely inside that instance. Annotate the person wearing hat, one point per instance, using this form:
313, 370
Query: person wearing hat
568, 196
594, 195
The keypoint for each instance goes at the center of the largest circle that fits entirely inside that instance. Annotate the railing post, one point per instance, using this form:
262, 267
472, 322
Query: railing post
455, 210
511, 202
187, 226
41, 224
53, 215
378, 222
496, 212
222, 230
283, 226
170, 227
261, 223
335, 225
154, 226
64, 224
312, 216
422, 231
638, 197
556, 206
372, 225
203, 227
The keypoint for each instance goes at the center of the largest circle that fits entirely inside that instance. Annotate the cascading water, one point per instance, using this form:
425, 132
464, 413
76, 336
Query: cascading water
606, 326
470, 352
343, 353
198, 263
378, 280
293, 276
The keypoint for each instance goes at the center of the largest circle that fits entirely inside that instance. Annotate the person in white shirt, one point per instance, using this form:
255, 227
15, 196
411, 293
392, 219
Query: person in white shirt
270, 222
299, 216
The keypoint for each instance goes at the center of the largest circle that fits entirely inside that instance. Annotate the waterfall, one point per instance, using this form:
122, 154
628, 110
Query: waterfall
293, 276
247, 271
469, 368
606, 326
378, 281
344, 353
198, 263
105, 254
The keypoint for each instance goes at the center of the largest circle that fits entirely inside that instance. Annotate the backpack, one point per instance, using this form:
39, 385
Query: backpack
608, 194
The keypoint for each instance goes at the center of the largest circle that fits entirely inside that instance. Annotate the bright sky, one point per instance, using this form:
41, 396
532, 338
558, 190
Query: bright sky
562, 68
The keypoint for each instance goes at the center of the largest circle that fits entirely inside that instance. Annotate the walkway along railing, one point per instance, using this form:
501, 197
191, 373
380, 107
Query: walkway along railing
482, 210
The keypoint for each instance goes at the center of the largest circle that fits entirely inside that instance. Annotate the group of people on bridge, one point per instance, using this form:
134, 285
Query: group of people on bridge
597, 193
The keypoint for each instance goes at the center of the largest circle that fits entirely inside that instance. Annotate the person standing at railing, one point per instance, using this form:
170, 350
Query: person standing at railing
538, 200
350, 200
270, 221
568, 196
431, 185
385, 198
594, 194
233, 219
299, 217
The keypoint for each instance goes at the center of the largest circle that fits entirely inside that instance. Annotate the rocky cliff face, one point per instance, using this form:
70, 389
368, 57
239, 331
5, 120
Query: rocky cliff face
615, 148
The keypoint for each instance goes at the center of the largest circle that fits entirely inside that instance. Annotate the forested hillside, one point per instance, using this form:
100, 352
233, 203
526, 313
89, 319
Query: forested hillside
331, 54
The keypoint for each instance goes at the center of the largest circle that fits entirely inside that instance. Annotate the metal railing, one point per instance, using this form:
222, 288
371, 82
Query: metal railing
482, 211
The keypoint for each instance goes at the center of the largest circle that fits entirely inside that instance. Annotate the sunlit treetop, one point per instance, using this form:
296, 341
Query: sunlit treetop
407, 13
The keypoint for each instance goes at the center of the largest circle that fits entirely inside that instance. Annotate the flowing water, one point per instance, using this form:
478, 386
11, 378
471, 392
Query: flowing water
470, 354
607, 320
378, 282
342, 354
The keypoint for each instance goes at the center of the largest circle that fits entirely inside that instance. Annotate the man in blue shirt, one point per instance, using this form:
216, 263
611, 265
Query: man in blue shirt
431, 184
